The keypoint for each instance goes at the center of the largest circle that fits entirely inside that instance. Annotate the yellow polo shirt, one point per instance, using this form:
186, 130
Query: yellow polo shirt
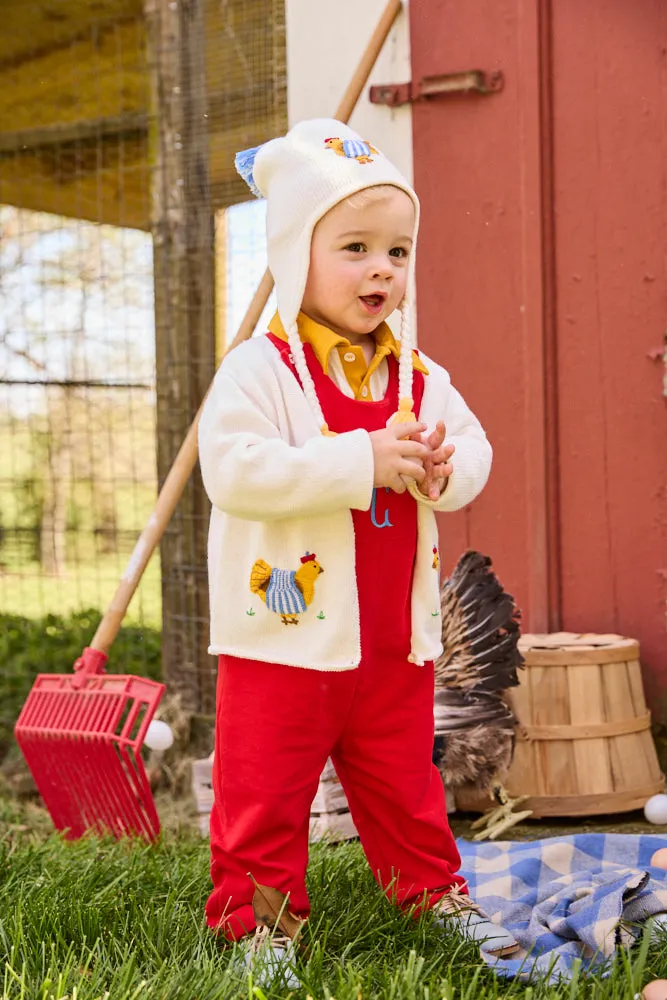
349, 362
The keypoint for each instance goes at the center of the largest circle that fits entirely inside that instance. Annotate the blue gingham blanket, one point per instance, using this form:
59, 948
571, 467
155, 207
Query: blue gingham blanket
566, 898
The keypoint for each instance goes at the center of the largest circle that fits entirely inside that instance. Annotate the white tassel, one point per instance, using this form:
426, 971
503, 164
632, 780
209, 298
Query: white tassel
405, 413
296, 348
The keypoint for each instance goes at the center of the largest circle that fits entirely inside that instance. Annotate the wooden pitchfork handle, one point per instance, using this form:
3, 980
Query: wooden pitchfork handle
95, 656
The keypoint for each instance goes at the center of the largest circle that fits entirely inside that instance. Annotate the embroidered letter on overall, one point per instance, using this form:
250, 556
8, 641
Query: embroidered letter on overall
386, 523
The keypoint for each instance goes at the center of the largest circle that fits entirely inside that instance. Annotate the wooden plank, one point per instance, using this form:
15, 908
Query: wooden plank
480, 272
602, 804
114, 196
101, 73
125, 126
563, 649
522, 776
610, 157
591, 757
184, 280
638, 699
587, 731
636, 685
629, 766
29, 29
556, 758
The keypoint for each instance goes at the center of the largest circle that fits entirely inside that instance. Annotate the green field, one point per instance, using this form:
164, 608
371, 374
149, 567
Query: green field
108, 492
26, 591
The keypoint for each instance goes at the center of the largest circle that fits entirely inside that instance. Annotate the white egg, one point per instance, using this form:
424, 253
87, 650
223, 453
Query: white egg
655, 810
159, 736
657, 989
659, 859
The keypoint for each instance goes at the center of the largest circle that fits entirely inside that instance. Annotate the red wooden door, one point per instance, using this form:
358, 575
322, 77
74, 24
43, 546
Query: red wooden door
542, 287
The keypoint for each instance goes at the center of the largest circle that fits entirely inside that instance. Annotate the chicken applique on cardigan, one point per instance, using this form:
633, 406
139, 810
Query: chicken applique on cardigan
287, 593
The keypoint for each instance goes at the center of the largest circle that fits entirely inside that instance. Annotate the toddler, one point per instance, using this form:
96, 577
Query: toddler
323, 452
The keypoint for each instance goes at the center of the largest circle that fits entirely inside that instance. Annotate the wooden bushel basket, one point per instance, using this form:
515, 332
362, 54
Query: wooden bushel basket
583, 743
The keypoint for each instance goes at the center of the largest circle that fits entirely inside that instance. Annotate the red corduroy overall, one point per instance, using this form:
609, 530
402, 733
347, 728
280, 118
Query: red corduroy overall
276, 725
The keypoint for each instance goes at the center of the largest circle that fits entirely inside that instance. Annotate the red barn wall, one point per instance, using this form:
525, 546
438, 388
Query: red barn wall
542, 287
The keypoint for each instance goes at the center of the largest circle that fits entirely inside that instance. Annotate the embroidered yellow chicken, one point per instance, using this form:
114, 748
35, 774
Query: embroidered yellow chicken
286, 592
353, 149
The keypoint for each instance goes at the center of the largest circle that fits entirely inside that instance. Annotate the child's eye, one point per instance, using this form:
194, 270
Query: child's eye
355, 247
398, 252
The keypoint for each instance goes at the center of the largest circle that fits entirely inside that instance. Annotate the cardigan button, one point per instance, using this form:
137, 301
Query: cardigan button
349, 356
364, 390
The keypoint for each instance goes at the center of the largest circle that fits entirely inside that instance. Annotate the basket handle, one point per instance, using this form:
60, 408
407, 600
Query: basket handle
94, 657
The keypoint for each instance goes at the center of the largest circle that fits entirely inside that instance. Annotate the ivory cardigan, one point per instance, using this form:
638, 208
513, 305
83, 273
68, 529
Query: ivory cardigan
280, 489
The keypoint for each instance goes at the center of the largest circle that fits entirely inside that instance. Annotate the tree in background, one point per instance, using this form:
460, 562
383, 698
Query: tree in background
77, 320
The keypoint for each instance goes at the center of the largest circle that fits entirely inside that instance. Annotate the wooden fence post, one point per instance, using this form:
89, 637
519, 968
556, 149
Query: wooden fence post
182, 223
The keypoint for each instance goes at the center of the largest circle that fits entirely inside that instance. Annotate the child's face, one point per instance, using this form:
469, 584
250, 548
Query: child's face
359, 262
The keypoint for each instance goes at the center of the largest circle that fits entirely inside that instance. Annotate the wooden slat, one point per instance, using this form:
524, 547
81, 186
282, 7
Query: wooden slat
30, 27
587, 731
592, 804
572, 640
563, 648
28, 139
646, 748
557, 758
636, 685
587, 705
524, 764
628, 763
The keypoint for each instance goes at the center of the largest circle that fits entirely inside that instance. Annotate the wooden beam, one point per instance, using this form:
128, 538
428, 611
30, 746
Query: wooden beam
28, 139
184, 269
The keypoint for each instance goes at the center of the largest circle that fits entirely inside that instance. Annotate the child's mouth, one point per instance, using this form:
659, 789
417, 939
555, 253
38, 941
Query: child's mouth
372, 303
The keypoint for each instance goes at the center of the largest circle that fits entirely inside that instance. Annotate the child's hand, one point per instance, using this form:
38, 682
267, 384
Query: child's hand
395, 455
437, 467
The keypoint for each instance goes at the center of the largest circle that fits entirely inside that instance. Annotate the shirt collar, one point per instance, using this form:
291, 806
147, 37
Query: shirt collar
323, 340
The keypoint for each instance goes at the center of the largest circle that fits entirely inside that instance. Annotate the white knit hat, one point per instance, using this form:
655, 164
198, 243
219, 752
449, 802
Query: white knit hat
303, 175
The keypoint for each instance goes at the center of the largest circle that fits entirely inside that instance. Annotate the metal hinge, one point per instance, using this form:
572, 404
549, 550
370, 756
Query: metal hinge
472, 81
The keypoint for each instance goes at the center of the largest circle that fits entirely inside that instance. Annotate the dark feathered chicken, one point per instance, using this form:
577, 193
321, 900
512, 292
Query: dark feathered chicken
474, 727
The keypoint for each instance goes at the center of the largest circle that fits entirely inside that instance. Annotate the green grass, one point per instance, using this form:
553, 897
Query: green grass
97, 920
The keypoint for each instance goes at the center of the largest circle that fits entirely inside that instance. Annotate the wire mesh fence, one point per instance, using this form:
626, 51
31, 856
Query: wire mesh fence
123, 272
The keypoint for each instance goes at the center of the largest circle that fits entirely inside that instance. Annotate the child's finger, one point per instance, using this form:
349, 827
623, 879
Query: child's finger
442, 454
410, 430
415, 470
437, 436
413, 449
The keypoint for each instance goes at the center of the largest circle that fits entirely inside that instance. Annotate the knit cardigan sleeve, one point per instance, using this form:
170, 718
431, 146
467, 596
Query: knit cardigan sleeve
471, 460
250, 468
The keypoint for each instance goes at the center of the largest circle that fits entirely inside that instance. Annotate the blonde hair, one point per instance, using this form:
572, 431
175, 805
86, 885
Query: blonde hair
365, 195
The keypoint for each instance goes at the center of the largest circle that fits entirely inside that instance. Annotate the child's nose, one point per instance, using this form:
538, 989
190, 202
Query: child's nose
381, 267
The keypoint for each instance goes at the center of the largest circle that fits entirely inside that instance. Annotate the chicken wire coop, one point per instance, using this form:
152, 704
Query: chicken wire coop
126, 259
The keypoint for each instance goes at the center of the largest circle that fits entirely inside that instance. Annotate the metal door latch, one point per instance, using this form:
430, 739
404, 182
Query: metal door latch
472, 81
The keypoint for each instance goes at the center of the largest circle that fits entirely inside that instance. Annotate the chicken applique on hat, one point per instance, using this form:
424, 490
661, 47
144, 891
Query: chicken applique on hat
302, 175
